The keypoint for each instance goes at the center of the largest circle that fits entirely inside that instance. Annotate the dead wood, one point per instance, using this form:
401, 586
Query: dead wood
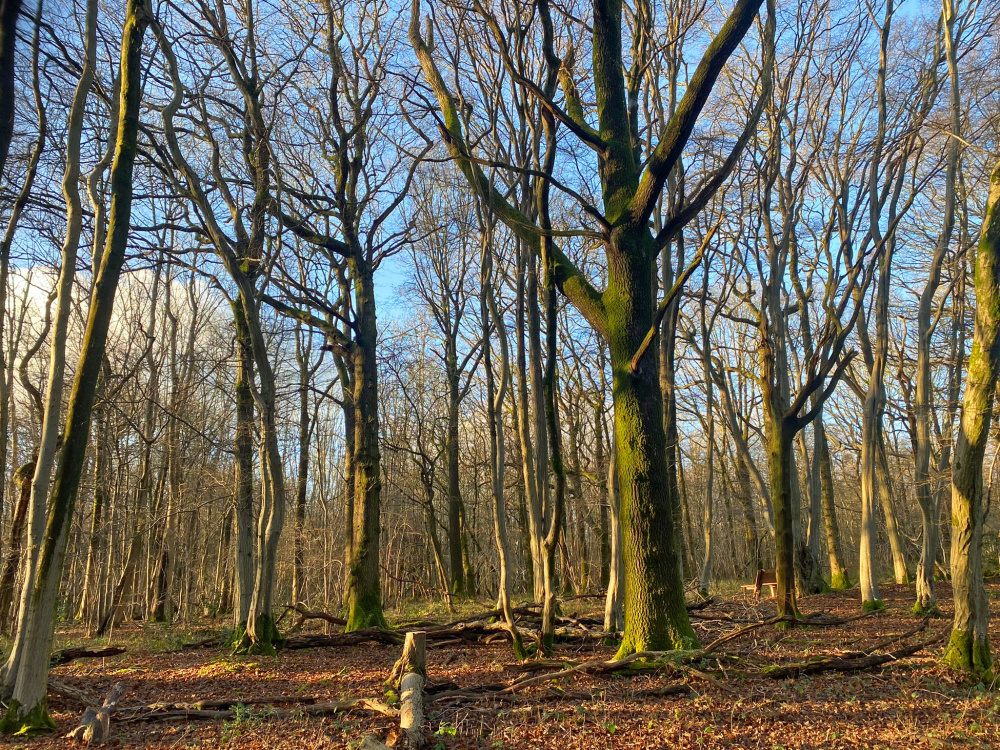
412, 669
66, 655
74, 694
153, 713
849, 663
493, 614
305, 615
813, 620
354, 638
95, 726
209, 642
207, 704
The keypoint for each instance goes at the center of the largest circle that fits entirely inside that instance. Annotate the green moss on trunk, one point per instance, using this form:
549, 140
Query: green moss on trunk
969, 654
873, 605
923, 611
35, 721
265, 641
840, 581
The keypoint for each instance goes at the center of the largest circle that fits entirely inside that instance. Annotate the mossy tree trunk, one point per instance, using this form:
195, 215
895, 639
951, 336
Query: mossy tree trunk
969, 647
28, 709
625, 314
364, 593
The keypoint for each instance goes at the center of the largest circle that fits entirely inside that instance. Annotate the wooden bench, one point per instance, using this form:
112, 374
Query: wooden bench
768, 578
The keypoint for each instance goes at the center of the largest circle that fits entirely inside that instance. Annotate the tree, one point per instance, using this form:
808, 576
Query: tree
625, 313
969, 646
28, 708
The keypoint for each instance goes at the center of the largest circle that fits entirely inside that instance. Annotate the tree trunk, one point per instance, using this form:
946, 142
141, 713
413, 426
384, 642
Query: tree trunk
8, 576
364, 594
529, 466
9, 11
302, 481
57, 356
458, 582
28, 709
969, 647
655, 614
492, 321
243, 476
839, 578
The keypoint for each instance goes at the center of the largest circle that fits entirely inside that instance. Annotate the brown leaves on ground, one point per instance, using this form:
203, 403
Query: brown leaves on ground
914, 703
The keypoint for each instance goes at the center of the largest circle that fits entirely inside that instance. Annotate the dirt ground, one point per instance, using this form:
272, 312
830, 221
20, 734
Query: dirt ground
912, 703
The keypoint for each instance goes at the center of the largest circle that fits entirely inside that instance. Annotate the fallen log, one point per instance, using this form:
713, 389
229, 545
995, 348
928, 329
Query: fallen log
95, 726
74, 694
850, 663
814, 620
138, 714
491, 615
308, 614
413, 672
354, 638
66, 655
207, 704
209, 642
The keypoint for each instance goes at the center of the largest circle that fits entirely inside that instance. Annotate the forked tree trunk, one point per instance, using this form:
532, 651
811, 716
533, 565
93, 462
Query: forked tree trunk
654, 612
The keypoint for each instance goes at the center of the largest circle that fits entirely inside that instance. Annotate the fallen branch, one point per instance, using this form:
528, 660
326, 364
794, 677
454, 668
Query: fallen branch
207, 704
846, 663
881, 645
309, 614
74, 694
354, 638
95, 726
412, 669
491, 615
810, 620
148, 714
209, 642
66, 655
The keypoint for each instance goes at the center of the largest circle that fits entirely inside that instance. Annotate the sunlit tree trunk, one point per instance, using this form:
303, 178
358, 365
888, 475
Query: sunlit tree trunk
28, 708
496, 391
57, 357
927, 497
969, 647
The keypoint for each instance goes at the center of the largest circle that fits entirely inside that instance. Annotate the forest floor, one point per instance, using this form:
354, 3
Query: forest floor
913, 702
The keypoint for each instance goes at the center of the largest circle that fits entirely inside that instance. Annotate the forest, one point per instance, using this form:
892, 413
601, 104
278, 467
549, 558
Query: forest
499, 373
